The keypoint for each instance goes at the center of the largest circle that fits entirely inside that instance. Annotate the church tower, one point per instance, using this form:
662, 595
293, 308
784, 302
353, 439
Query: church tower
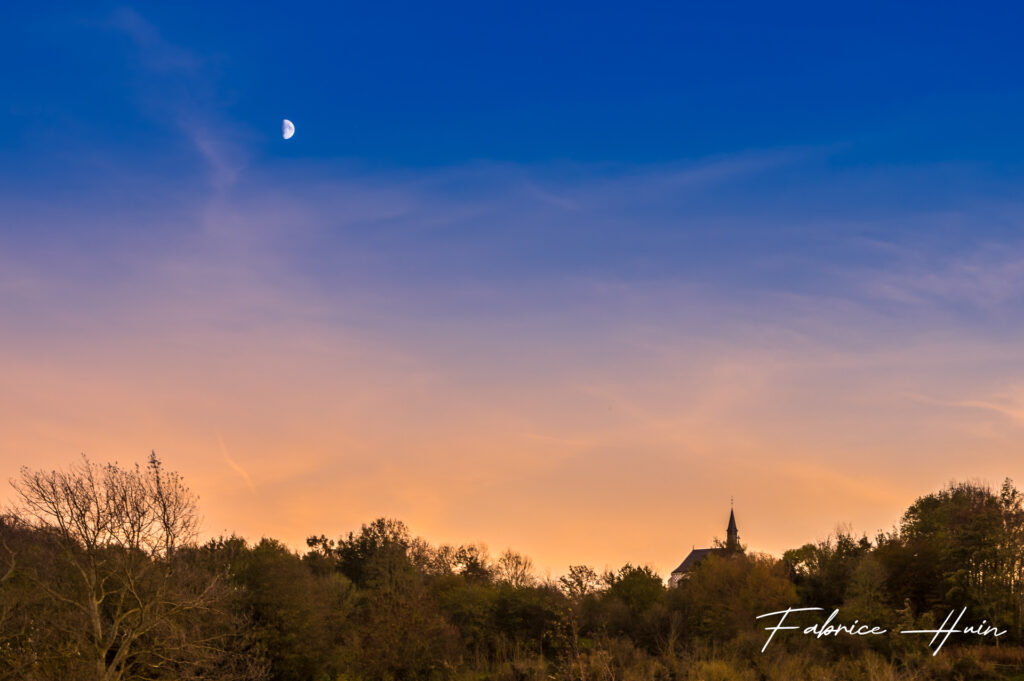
732, 547
732, 542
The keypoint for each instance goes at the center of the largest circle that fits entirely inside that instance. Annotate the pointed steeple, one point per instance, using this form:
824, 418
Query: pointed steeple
732, 534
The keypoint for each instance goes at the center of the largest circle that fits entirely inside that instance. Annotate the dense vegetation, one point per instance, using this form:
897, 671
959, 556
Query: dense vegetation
101, 578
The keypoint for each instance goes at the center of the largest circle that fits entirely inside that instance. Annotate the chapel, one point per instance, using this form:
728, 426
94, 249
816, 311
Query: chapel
732, 545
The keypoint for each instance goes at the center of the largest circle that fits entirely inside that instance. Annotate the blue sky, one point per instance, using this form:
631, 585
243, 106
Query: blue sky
744, 248
863, 113
408, 84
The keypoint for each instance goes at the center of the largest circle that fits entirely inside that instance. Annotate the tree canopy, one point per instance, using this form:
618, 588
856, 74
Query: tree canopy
102, 578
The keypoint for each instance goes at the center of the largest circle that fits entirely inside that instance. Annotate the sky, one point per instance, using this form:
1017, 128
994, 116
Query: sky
561, 279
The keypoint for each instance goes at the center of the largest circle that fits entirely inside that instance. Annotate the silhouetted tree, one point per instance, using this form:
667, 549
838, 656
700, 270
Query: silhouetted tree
123, 595
299, 616
515, 569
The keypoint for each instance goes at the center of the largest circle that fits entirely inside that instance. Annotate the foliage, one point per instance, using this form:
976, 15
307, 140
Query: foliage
101, 578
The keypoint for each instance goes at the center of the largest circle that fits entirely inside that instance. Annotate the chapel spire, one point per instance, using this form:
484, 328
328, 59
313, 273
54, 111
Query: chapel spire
732, 541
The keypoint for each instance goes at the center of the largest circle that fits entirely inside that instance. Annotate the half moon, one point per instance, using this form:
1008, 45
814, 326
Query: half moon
287, 129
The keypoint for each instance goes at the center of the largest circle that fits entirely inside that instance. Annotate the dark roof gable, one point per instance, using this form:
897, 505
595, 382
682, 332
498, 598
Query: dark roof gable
695, 557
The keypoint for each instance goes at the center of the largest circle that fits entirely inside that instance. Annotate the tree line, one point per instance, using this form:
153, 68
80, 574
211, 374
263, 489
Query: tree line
103, 578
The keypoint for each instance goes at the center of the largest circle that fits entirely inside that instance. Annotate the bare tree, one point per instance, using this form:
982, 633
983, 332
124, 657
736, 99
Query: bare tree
121, 569
515, 569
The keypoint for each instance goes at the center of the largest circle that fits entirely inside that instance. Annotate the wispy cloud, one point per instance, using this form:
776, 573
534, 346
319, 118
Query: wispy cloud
235, 466
987, 277
180, 91
157, 53
1007, 403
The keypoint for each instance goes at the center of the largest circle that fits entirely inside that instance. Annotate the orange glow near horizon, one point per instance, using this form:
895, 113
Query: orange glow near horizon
608, 445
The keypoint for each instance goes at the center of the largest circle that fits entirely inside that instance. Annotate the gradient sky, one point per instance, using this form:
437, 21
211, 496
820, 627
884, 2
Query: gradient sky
557, 279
